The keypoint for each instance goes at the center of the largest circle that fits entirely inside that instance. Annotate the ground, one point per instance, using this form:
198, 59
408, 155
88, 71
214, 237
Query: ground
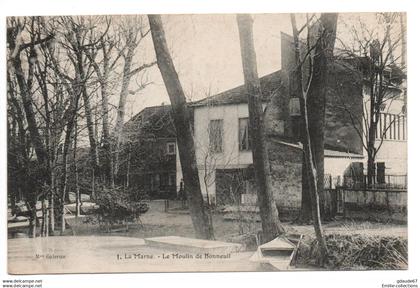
106, 254
158, 223
94, 250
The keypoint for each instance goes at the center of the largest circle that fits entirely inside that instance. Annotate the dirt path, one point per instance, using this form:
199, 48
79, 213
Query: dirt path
158, 223
106, 254
181, 223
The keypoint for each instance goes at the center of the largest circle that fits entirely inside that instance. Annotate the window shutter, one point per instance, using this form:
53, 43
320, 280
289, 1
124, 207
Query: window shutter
294, 106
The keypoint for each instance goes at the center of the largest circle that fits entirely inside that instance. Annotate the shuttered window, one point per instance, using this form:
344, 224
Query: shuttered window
244, 141
216, 136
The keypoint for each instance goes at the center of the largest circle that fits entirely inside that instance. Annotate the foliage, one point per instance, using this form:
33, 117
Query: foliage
61, 71
116, 206
364, 252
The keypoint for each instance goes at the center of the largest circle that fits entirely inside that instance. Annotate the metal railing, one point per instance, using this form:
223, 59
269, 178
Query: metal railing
331, 182
382, 182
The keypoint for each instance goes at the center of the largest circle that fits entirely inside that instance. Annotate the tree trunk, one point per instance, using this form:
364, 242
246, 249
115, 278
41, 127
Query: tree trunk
25, 93
13, 165
70, 126
305, 214
42, 171
109, 170
91, 131
75, 168
371, 167
198, 209
64, 178
127, 183
271, 226
313, 187
51, 204
323, 49
316, 102
81, 80
371, 141
93, 185
128, 59
32, 219
47, 224
44, 214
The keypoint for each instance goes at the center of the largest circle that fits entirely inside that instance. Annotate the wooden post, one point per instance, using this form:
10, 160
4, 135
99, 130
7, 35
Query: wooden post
330, 178
344, 203
166, 205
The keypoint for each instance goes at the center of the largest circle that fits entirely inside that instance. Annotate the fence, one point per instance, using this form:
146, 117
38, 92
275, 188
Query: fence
354, 197
331, 182
385, 182
373, 204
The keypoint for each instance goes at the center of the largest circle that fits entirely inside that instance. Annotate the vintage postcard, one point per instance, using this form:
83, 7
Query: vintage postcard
206, 142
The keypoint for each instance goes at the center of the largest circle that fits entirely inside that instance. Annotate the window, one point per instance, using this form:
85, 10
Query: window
380, 172
154, 181
280, 127
402, 128
170, 148
294, 106
216, 136
244, 141
385, 126
172, 180
163, 179
382, 106
157, 181
151, 181
391, 126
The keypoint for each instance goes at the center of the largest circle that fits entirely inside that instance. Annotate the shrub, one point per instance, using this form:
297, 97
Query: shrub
358, 252
115, 206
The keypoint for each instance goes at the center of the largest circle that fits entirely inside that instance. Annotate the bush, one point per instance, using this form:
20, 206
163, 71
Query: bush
116, 207
357, 252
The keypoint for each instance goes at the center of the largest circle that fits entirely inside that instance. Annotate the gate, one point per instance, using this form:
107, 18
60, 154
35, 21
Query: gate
334, 194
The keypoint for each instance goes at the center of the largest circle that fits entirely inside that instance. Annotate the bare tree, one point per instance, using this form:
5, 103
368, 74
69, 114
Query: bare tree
18, 146
198, 208
271, 226
22, 38
103, 57
56, 66
74, 36
374, 52
323, 54
314, 92
133, 31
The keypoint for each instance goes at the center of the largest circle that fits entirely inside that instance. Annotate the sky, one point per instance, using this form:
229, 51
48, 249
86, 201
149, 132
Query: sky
206, 53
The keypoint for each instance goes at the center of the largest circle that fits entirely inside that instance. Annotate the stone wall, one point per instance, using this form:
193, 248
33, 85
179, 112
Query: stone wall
286, 176
344, 101
375, 205
286, 172
231, 184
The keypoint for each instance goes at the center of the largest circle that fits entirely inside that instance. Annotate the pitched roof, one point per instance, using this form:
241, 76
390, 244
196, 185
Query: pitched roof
155, 122
269, 85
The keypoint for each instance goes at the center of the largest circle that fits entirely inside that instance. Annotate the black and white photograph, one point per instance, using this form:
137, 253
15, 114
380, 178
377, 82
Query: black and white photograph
229, 142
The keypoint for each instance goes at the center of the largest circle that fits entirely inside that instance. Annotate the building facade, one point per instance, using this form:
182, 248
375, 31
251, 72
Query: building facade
150, 151
223, 149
